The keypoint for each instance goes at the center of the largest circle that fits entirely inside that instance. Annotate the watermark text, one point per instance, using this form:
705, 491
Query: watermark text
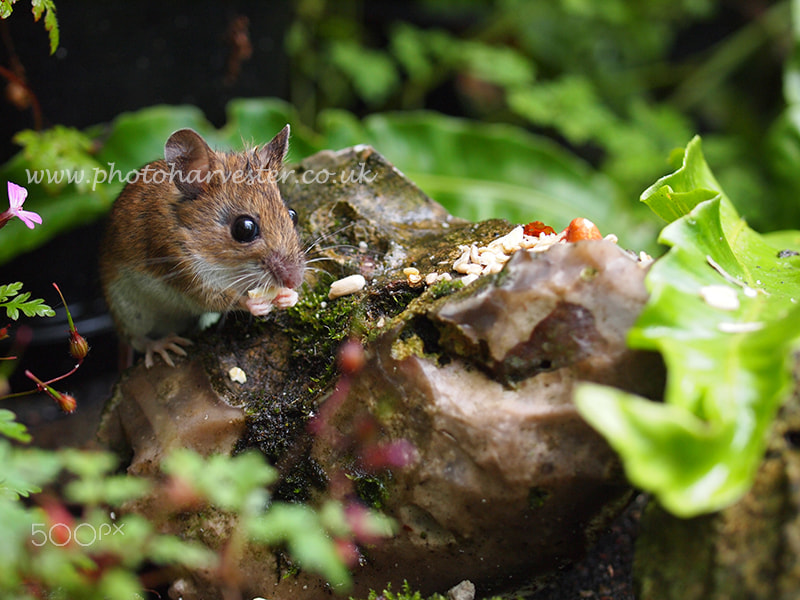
61, 534
153, 174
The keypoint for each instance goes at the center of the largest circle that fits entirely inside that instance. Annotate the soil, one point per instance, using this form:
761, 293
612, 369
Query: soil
606, 572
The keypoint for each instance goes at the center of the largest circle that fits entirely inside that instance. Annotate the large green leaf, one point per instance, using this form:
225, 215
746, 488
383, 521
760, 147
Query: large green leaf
479, 171
728, 367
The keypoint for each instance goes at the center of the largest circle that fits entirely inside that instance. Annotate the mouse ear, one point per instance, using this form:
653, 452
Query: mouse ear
272, 155
190, 159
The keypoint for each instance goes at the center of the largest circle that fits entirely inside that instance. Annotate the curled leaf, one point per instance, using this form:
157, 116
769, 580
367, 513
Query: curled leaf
728, 367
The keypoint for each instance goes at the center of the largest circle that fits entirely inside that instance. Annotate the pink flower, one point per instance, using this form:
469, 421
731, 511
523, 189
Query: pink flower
16, 196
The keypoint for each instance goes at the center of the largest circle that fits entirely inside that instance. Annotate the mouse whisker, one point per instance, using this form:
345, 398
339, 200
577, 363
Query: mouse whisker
325, 236
320, 259
335, 247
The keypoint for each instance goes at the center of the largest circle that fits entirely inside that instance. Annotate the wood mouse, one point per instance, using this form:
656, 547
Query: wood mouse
199, 231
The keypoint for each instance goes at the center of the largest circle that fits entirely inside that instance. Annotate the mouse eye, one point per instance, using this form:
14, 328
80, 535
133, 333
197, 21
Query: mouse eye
293, 216
244, 229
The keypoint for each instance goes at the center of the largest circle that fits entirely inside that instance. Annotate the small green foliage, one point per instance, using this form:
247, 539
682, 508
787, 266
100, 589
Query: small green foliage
113, 490
406, 593
59, 156
300, 528
371, 73
48, 7
38, 7
25, 470
226, 481
14, 302
56, 549
11, 429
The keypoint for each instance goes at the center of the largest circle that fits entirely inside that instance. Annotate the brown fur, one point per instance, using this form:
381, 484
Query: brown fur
168, 254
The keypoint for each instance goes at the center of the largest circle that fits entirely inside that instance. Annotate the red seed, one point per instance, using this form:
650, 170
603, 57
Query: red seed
582, 229
537, 228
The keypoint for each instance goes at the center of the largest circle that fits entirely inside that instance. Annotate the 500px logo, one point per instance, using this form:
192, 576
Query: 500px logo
61, 534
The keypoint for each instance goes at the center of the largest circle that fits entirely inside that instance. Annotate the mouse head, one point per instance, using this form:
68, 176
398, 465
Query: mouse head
231, 220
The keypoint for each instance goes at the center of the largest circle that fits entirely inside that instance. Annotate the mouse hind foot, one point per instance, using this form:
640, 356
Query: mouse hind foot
162, 346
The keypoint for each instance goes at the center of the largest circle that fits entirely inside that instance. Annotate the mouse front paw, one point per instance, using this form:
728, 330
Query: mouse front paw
285, 298
261, 301
162, 347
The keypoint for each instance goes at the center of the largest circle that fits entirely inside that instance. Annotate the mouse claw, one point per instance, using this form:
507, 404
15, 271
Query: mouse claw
259, 307
162, 347
285, 298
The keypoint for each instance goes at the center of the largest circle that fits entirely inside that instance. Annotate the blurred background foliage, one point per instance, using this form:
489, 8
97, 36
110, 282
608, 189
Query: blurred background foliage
527, 110
621, 83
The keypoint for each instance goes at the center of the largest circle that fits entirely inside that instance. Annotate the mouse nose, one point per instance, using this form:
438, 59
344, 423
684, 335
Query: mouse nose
287, 271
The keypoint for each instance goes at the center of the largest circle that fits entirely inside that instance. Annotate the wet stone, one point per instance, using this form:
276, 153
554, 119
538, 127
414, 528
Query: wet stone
466, 390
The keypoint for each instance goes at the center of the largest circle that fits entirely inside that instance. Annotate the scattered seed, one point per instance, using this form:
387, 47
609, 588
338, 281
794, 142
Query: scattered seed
489, 259
582, 229
346, 286
473, 269
268, 292
237, 375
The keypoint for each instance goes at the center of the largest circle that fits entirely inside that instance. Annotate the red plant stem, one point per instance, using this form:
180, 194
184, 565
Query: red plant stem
36, 108
17, 75
65, 375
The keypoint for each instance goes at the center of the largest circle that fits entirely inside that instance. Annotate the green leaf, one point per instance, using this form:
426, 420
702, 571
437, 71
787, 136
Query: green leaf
299, 527
47, 7
228, 482
171, 550
119, 583
11, 429
676, 194
407, 47
479, 171
25, 470
14, 302
501, 65
371, 72
58, 157
728, 369
569, 103
9, 290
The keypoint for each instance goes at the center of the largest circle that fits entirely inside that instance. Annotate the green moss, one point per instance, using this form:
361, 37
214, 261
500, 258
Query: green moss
372, 489
443, 288
411, 346
317, 327
406, 593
